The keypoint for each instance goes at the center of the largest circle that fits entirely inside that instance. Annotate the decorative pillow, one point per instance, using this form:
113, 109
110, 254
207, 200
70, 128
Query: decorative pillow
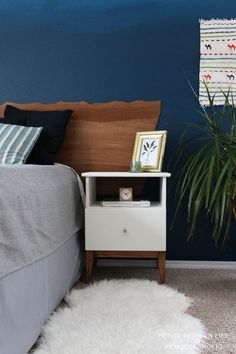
16, 143
15, 121
51, 139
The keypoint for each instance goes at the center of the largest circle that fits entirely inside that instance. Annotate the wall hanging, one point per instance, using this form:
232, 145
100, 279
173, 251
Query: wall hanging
217, 59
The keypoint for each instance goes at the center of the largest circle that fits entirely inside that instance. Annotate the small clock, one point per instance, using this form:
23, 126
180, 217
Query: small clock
126, 194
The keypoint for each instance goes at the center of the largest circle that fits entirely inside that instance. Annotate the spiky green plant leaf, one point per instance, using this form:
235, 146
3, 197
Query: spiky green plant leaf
208, 176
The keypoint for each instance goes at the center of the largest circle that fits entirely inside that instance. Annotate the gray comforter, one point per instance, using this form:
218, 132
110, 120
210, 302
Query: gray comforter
40, 209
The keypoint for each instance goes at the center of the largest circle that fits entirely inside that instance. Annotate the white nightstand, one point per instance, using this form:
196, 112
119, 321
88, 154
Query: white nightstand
125, 232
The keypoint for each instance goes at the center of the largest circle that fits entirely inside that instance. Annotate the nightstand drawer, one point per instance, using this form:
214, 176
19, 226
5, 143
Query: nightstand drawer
125, 229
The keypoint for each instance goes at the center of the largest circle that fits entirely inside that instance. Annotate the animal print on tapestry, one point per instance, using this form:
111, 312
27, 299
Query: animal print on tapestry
217, 59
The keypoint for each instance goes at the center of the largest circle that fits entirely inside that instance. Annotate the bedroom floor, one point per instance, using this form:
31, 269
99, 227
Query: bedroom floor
213, 293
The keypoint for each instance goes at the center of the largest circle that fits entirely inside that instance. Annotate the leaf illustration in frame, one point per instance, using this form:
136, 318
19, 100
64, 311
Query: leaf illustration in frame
153, 143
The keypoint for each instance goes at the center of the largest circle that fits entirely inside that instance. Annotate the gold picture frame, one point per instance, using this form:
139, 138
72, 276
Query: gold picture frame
149, 149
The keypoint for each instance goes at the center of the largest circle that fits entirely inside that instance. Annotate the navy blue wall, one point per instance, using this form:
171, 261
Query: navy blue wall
102, 50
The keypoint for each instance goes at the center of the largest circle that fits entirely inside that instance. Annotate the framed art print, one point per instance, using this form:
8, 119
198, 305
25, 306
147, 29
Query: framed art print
149, 148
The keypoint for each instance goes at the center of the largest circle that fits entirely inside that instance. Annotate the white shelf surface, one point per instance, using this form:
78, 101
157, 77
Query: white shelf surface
126, 174
98, 205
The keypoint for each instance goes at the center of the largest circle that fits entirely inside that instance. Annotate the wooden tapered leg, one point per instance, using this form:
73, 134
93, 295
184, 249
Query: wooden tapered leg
162, 266
89, 266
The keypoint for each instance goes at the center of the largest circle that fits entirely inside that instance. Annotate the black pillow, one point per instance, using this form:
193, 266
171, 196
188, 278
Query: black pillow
54, 126
15, 121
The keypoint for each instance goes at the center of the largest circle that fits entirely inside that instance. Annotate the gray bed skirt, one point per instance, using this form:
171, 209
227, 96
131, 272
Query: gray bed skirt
29, 295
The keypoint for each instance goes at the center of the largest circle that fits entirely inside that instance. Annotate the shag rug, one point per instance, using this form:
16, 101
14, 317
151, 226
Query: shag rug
122, 317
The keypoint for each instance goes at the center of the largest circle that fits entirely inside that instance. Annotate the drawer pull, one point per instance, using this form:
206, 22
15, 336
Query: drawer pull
125, 231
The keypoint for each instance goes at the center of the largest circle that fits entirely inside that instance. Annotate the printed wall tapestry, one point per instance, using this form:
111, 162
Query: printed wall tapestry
217, 59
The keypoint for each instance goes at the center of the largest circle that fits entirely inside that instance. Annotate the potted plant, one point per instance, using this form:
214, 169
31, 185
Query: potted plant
207, 178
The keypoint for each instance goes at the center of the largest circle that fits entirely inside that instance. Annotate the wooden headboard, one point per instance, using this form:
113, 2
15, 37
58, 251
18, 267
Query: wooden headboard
100, 136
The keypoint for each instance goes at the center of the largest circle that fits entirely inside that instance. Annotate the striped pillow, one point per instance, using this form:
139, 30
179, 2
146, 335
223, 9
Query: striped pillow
16, 143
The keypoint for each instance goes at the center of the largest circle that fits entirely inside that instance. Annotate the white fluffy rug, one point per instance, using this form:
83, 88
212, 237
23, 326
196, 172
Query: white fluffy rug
122, 317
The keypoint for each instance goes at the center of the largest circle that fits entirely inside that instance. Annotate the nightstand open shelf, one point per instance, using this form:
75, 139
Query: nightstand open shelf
125, 232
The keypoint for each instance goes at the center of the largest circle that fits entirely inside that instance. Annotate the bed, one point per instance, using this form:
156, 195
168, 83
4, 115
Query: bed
41, 213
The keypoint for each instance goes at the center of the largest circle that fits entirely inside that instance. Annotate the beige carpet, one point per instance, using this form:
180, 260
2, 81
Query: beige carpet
213, 292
